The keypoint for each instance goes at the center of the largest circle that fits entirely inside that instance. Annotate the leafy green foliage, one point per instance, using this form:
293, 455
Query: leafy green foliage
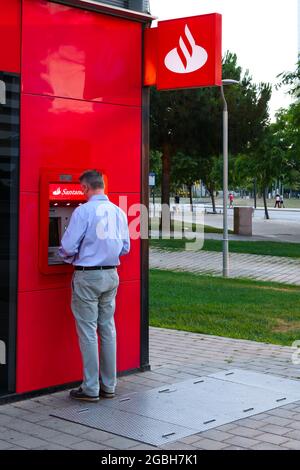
186, 127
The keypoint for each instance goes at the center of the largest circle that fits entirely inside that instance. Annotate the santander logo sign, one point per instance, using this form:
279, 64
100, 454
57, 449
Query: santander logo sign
56, 192
67, 192
188, 56
71, 191
184, 53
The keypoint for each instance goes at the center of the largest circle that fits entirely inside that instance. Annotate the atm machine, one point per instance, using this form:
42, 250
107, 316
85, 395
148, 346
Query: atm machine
60, 194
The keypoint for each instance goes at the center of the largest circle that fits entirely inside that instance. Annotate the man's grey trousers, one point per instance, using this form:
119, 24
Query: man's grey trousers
93, 306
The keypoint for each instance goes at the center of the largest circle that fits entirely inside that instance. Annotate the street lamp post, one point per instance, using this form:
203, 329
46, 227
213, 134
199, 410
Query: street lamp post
225, 178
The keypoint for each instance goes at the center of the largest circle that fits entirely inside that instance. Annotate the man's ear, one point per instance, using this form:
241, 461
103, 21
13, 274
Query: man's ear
85, 188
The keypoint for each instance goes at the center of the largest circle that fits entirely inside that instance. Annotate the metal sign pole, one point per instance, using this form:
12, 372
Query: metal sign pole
225, 187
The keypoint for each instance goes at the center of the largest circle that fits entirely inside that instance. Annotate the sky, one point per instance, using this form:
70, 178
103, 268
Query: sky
263, 34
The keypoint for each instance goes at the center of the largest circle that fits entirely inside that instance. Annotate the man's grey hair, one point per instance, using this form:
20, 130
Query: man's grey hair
92, 178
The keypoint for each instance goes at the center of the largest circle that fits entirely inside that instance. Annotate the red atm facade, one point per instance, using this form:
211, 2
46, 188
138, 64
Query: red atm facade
74, 100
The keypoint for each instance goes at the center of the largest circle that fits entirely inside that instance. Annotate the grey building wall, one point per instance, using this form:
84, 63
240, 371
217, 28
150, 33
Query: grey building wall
137, 5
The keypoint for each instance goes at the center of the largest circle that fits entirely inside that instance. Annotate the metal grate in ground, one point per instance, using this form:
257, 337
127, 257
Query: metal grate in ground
167, 414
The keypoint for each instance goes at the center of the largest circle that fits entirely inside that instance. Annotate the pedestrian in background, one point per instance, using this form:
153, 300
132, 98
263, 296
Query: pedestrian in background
277, 201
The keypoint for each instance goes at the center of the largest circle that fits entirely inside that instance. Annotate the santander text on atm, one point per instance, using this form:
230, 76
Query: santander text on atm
58, 192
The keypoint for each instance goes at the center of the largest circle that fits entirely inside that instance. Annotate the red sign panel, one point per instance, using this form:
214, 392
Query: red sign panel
189, 52
66, 192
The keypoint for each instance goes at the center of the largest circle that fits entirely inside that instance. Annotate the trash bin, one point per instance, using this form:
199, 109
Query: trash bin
243, 220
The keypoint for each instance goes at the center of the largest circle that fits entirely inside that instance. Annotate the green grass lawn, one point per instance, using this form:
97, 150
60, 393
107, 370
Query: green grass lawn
225, 307
290, 250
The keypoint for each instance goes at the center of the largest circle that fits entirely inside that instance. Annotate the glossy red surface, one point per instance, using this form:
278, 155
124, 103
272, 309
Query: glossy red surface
72, 131
47, 350
150, 56
59, 132
10, 35
128, 325
73, 53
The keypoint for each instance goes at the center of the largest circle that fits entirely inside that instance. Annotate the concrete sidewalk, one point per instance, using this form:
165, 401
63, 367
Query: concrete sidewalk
175, 356
263, 268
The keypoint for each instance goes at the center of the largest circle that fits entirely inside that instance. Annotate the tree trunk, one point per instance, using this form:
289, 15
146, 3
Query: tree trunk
213, 201
165, 184
254, 187
191, 196
265, 203
165, 181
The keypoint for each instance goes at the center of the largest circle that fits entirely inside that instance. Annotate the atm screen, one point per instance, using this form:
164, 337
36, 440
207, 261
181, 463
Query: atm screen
54, 231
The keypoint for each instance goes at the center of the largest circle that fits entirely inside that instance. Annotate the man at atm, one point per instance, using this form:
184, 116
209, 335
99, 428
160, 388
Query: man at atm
95, 238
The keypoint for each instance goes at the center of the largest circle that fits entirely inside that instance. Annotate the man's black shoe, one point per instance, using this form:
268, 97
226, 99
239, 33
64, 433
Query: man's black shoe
79, 395
104, 394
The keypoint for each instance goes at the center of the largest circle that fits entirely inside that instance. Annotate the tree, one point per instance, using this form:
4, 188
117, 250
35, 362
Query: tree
166, 112
185, 170
189, 123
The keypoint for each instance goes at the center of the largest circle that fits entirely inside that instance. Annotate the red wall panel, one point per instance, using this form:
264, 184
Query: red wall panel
47, 350
10, 32
89, 66
127, 319
75, 134
78, 54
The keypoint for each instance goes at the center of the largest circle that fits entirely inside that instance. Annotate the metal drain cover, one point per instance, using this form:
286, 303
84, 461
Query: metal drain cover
167, 414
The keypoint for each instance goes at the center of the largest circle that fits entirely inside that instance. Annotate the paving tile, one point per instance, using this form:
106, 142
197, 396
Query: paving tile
88, 445
241, 441
294, 434
274, 429
5, 445
249, 423
51, 446
191, 439
64, 439
292, 444
143, 447
119, 442
266, 446
23, 440
294, 425
234, 448
245, 431
96, 435
209, 444
216, 435
226, 427
177, 446
272, 438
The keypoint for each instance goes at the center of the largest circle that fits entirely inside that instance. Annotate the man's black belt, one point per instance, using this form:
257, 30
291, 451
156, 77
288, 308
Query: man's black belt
92, 268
